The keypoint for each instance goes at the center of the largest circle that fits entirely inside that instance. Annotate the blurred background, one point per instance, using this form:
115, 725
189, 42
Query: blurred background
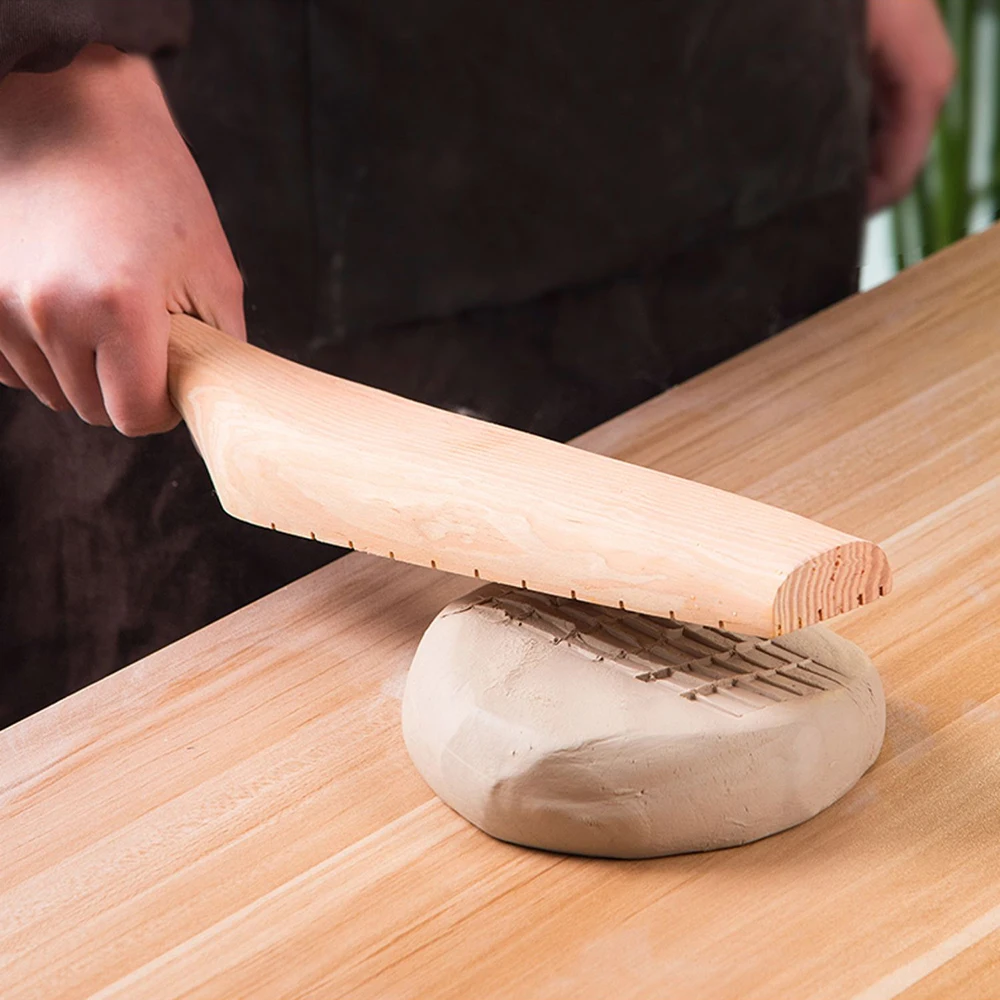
958, 190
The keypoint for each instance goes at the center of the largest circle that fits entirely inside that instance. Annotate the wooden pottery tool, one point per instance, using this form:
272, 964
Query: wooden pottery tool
314, 455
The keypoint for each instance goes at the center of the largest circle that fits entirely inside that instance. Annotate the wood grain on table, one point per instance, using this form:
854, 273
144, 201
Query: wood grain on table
236, 815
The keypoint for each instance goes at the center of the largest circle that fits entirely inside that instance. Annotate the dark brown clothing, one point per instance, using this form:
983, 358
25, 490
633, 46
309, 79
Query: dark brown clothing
45, 35
540, 213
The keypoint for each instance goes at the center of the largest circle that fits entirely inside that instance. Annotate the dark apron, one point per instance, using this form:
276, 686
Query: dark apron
539, 213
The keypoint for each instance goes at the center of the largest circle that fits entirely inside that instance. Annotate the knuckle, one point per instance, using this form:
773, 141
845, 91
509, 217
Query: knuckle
942, 78
940, 89
13, 311
951, 66
110, 298
119, 300
9, 302
51, 308
51, 299
232, 282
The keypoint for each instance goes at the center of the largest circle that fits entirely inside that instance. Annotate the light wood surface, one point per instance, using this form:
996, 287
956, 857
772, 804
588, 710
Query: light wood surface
236, 816
299, 451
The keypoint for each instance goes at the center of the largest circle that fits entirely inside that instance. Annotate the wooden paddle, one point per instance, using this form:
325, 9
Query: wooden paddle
296, 450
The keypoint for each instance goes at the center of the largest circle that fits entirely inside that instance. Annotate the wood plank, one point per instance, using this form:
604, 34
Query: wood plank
236, 815
965, 964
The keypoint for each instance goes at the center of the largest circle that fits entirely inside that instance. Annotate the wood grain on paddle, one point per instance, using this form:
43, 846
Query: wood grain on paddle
307, 453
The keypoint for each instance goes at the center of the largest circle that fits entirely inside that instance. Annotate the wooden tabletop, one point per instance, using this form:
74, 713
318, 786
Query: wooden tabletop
236, 815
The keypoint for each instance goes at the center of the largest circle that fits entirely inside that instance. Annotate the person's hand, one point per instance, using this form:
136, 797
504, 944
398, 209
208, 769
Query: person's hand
912, 66
107, 227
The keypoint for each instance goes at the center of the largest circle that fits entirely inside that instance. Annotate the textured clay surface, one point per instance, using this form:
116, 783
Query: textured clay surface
571, 727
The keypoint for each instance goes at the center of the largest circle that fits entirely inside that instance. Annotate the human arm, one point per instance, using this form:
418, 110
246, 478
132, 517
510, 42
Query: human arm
108, 228
912, 69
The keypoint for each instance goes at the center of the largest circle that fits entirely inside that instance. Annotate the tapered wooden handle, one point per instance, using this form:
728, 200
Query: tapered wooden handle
310, 454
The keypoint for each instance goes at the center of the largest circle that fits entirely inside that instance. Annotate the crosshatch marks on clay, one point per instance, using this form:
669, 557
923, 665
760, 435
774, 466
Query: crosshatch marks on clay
727, 671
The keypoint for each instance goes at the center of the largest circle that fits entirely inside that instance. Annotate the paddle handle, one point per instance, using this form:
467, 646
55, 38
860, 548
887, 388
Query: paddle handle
314, 455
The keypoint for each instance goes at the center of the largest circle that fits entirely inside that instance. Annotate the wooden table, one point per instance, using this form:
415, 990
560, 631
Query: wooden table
236, 815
